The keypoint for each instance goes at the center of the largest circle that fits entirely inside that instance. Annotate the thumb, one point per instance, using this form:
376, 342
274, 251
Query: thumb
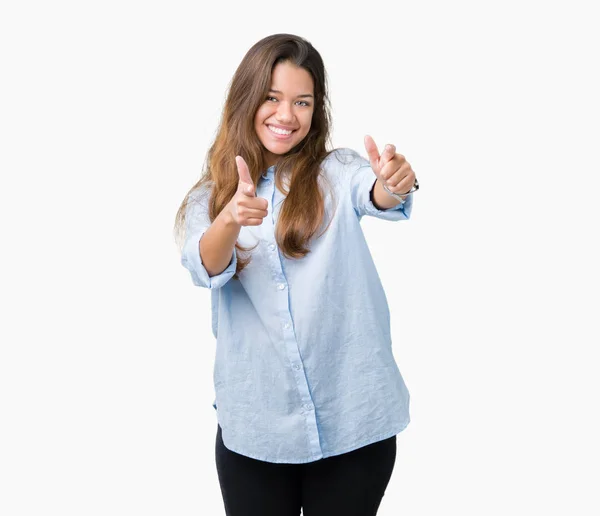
245, 179
373, 153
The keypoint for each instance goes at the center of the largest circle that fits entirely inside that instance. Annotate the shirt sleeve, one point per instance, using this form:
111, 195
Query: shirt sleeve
362, 182
197, 222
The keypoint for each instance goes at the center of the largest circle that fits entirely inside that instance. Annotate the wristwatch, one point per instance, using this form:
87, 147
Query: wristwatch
414, 188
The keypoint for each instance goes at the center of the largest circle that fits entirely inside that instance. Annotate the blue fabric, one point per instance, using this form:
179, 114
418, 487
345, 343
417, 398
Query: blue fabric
304, 367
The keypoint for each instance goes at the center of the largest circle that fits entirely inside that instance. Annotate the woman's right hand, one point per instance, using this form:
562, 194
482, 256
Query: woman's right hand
245, 208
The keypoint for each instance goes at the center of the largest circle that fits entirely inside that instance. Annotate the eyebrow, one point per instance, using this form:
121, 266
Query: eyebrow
299, 96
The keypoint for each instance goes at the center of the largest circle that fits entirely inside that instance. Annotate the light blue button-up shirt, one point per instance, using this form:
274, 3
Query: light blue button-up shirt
304, 367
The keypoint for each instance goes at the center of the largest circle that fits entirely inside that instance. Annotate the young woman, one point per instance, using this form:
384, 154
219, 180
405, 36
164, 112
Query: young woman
309, 398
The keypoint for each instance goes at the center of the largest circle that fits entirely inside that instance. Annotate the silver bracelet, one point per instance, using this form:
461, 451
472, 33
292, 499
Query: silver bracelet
414, 188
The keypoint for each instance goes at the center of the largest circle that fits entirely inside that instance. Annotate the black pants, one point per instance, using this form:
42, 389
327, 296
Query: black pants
350, 484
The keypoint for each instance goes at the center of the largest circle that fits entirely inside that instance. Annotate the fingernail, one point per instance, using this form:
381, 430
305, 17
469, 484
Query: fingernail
388, 147
249, 189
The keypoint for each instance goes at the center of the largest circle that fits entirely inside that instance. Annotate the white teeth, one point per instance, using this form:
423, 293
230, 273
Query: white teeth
278, 131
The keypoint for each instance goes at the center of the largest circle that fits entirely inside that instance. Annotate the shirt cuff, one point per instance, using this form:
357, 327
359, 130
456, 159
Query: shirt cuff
399, 212
191, 260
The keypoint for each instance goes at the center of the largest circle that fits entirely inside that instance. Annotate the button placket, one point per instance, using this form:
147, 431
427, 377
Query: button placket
289, 340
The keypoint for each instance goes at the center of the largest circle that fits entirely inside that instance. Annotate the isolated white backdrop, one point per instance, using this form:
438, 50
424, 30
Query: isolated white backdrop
107, 111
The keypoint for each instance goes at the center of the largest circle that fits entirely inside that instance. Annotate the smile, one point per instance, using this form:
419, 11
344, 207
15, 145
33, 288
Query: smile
279, 132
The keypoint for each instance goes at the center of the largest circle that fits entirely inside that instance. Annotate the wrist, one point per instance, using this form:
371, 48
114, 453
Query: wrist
381, 199
401, 196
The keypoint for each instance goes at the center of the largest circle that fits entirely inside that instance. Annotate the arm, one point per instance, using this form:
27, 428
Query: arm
392, 171
364, 194
219, 249
218, 242
381, 199
209, 250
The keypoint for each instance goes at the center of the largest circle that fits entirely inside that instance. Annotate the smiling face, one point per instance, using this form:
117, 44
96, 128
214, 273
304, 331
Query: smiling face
289, 106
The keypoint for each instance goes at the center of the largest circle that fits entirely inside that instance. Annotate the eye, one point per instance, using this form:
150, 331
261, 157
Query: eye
302, 102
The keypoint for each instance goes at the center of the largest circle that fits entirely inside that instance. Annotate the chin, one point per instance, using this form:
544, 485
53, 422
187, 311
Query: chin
279, 147
280, 150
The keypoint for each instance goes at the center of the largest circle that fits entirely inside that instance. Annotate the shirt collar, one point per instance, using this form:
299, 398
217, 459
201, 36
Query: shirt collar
269, 173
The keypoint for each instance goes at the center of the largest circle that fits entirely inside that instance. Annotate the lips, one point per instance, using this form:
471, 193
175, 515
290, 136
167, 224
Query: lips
278, 135
281, 127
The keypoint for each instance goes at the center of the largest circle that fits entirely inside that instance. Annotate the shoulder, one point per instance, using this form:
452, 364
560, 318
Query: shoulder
201, 194
344, 162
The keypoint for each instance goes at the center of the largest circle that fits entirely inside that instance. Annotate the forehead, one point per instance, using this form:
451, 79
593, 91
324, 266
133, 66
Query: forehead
289, 78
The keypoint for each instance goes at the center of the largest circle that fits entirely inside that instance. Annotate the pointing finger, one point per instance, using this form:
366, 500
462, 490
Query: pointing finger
372, 152
244, 176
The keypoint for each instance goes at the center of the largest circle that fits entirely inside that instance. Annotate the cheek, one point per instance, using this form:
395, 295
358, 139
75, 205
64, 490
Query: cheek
261, 115
307, 124
259, 126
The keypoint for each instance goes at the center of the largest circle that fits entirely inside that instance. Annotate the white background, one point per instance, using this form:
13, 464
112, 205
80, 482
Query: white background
106, 112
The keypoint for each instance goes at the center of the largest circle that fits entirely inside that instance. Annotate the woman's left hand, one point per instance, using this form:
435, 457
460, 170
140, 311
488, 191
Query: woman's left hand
390, 167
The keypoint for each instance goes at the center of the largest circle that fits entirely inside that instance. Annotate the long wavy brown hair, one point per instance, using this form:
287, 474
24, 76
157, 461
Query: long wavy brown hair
303, 210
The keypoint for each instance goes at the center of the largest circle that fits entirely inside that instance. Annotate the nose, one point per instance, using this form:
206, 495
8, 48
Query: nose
284, 113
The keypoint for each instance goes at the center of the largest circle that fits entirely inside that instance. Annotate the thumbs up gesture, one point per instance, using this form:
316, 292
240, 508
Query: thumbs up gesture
391, 168
245, 208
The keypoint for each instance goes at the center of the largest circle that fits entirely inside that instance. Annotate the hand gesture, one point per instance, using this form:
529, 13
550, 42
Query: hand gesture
245, 208
391, 168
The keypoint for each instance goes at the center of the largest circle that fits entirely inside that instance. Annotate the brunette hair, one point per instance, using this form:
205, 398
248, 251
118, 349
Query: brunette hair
303, 210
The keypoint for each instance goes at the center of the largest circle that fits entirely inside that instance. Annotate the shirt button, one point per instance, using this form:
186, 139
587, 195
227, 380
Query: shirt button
286, 326
296, 367
281, 286
308, 406
272, 247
